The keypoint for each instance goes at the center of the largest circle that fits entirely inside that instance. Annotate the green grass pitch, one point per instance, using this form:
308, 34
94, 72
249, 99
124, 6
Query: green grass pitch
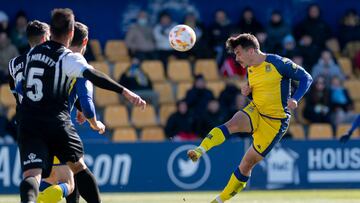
293, 196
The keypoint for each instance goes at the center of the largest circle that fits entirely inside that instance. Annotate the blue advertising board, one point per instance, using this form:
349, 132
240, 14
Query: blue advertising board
164, 166
141, 166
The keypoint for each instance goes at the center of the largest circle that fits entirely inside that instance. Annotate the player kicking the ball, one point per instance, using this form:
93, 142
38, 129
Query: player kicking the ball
268, 114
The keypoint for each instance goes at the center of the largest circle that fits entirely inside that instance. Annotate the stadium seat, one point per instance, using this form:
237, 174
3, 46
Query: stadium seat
346, 66
351, 48
297, 131
96, 49
7, 99
116, 50
216, 87
116, 116
165, 91
165, 111
154, 69
11, 113
208, 68
320, 131
182, 89
357, 106
144, 118
334, 46
124, 135
154, 134
344, 128
105, 97
101, 66
119, 68
179, 71
353, 87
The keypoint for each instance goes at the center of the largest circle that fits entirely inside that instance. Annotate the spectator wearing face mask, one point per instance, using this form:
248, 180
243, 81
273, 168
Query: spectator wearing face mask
140, 38
180, 125
198, 97
139, 82
327, 67
161, 34
213, 116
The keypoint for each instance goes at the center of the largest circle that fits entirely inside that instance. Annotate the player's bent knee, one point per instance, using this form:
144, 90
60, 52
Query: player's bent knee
36, 173
65, 175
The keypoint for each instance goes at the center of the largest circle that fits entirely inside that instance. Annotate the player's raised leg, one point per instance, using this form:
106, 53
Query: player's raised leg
240, 122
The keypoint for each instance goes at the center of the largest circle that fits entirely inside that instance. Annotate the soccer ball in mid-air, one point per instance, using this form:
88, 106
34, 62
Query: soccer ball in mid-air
182, 38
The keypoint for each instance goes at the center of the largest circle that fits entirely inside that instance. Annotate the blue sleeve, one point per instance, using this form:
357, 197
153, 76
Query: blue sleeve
295, 72
355, 124
84, 90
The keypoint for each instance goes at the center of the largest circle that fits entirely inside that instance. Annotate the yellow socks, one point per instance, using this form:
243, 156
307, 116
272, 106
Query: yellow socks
53, 194
215, 137
236, 183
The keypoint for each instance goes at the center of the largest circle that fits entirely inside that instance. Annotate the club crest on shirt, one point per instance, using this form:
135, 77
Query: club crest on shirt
267, 68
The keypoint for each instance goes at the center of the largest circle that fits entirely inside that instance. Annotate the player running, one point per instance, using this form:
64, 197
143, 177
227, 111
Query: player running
45, 127
268, 114
82, 92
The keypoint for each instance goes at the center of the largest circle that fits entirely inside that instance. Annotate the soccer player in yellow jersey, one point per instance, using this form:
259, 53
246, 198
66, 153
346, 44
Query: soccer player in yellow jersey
268, 114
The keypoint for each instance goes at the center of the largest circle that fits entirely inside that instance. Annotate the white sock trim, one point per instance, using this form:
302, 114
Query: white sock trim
203, 151
218, 199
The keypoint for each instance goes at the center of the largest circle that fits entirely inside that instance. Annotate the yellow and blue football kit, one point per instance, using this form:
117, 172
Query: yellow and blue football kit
270, 83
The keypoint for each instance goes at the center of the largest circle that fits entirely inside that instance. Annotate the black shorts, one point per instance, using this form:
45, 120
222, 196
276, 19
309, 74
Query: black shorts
40, 140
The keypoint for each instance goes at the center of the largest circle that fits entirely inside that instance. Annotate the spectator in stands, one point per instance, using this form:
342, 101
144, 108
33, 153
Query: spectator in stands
240, 102
309, 50
227, 98
248, 22
212, 117
219, 32
276, 30
198, 96
341, 103
317, 107
7, 52
349, 29
289, 48
140, 38
18, 33
313, 26
327, 68
4, 21
180, 125
161, 34
138, 81
200, 50
263, 39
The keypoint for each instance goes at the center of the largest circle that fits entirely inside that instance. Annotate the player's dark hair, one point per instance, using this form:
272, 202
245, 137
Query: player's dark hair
35, 30
62, 22
245, 40
81, 32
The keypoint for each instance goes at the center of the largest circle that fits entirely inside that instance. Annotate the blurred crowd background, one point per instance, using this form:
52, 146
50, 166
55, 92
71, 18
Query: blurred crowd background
190, 92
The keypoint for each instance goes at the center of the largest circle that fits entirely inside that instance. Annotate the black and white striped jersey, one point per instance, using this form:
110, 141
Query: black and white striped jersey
16, 69
50, 73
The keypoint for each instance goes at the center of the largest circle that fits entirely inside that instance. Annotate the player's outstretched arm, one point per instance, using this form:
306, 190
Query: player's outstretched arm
344, 138
103, 81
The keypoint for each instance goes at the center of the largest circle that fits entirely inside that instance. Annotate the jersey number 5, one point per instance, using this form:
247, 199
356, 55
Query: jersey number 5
36, 83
